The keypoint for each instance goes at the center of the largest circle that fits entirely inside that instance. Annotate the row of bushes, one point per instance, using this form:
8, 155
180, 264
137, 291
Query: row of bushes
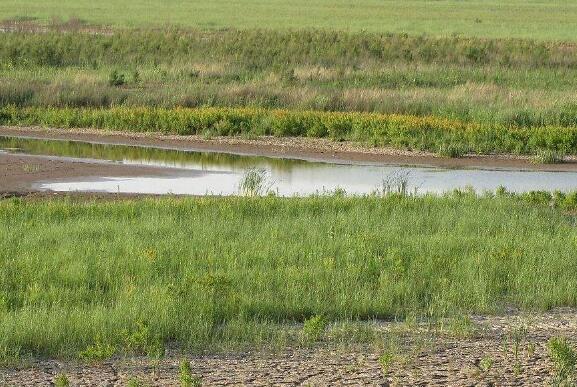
263, 48
402, 131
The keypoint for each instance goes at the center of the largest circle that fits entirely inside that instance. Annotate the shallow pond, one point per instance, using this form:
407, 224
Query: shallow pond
222, 172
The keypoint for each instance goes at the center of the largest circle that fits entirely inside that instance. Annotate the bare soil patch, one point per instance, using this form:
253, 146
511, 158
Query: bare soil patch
19, 174
502, 351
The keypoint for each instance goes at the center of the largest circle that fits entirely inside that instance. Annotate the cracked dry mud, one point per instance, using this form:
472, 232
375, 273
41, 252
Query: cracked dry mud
501, 351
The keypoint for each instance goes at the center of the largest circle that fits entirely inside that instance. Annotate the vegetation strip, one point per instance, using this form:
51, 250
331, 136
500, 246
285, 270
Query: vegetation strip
97, 278
447, 137
507, 82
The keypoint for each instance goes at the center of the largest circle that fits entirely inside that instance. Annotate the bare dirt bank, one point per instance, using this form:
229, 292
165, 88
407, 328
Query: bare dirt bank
296, 147
502, 351
20, 174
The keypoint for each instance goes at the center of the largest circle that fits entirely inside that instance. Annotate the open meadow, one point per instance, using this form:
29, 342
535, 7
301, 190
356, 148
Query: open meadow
383, 285
544, 20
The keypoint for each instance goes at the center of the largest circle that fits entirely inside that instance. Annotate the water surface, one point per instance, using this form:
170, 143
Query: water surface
223, 172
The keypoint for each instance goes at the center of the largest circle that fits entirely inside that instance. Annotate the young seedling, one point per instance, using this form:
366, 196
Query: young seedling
187, 379
564, 359
314, 328
61, 380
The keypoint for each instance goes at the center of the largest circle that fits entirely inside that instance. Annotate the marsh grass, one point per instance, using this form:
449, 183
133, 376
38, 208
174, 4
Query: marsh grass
223, 273
255, 182
518, 83
399, 131
396, 183
547, 156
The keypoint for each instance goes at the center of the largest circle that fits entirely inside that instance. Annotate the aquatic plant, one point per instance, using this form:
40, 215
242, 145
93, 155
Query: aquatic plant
255, 182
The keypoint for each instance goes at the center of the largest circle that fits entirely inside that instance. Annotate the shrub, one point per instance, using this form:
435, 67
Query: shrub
116, 79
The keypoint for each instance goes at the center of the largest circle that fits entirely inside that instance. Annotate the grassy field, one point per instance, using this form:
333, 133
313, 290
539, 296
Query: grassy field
522, 88
92, 279
546, 20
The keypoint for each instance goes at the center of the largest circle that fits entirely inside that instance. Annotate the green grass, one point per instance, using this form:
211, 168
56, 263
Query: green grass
90, 279
450, 138
547, 20
489, 82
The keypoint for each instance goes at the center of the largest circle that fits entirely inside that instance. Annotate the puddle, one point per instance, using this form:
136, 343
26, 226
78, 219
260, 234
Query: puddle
222, 172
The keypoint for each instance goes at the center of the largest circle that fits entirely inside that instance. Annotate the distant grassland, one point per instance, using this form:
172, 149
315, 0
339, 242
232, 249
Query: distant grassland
503, 82
94, 279
544, 20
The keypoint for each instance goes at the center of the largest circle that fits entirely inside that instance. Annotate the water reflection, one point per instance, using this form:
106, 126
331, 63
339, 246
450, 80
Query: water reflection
289, 177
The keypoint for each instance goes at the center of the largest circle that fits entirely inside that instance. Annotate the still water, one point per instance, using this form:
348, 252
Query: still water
199, 173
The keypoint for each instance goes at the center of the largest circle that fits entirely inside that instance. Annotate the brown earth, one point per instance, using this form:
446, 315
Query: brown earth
19, 174
494, 351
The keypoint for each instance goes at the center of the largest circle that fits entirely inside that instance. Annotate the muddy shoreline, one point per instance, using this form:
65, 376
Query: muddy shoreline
313, 149
22, 174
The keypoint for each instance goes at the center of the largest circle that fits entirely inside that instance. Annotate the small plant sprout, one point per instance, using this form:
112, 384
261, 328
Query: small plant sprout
134, 382
255, 182
564, 358
61, 380
314, 328
187, 379
486, 364
386, 360
30, 168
